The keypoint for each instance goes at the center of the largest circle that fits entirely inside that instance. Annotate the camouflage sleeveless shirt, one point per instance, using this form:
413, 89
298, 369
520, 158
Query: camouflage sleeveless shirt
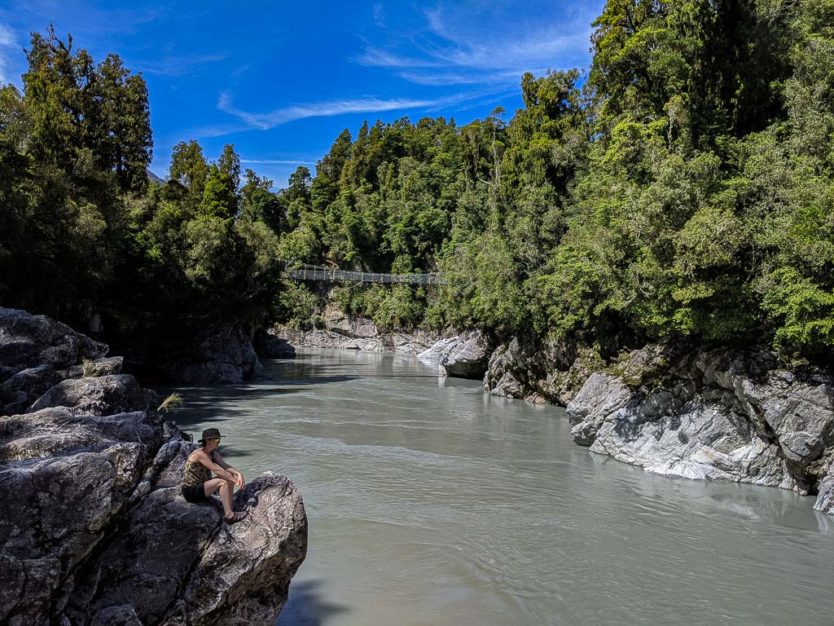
195, 473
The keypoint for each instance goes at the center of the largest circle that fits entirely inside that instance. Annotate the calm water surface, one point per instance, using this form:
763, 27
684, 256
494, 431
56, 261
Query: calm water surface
431, 502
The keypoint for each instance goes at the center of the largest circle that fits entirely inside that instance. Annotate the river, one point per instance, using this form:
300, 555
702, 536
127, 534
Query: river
433, 503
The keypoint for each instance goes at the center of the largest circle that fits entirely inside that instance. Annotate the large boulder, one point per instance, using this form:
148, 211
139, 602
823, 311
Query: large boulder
98, 396
701, 440
538, 370
35, 354
28, 340
222, 355
66, 478
439, 350
93, 528
178, 563
269, 346
243, 576
467, 356
601, 396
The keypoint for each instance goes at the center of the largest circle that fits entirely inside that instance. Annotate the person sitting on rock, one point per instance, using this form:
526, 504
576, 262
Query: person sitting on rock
197, 483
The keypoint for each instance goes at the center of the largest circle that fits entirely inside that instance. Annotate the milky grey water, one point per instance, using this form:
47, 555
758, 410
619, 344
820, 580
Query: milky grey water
431, 502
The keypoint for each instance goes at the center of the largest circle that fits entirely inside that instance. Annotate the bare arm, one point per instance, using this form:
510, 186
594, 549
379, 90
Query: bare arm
232, 470
217, 469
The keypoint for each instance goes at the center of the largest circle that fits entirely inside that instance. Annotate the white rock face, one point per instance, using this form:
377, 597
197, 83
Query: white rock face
825, 499
463, 356
601, 396
717, 416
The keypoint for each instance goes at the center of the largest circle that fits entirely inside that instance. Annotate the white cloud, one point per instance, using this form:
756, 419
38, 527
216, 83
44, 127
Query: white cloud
275, 162
271, 119
487, 43
8, 46
6, 36
179, 65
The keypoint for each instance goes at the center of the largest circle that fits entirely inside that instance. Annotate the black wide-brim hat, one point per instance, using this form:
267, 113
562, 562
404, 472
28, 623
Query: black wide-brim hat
209, 433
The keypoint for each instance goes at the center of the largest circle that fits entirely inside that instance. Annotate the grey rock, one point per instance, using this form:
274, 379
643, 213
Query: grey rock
701, 441
541, 371
223, 356
825, 497
93, 529
342, 332
802, 417
468, 357
601, 396
28, 341
98, 396
178, 563
27, 385
717, 415
506, 366
145, 566
244, 575
269, 346
34, 352
98, 367
438, 350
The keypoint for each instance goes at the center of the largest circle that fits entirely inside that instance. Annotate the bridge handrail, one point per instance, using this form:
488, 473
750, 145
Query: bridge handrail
320, 273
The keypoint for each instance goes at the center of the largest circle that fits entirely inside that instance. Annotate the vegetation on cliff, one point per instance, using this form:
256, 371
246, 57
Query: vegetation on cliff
682, 188
85, 236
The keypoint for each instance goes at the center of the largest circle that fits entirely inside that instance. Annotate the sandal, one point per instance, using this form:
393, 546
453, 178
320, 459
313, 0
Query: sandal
235, 518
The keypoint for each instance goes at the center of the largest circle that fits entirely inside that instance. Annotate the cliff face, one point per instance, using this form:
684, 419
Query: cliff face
93, 529
356, 333
716, 414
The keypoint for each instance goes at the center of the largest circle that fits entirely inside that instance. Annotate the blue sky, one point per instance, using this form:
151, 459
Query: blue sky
280, 80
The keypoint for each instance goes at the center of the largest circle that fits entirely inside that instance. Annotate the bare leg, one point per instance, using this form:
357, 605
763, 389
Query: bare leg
226, 498
226, 488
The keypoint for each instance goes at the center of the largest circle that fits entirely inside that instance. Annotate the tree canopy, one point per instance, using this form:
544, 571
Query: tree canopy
681, 188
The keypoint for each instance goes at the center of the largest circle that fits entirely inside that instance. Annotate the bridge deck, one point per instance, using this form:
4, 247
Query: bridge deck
325, 274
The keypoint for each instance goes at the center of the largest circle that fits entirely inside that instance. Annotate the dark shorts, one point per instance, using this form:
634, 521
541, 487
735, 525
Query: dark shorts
194, 493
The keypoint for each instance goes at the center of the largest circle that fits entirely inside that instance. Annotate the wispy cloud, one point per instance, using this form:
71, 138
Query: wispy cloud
276, 162
271, 119
8, 45
486, 43
178, 65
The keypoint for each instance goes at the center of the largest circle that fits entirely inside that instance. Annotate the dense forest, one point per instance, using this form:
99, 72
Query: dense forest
681, 189
86, 237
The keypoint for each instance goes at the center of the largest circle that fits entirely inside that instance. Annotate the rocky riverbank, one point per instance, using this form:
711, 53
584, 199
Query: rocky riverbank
93, 528
714, 414
695, 413
342, 331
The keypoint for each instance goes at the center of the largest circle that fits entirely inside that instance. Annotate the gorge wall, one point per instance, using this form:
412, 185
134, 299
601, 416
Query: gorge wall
714, 414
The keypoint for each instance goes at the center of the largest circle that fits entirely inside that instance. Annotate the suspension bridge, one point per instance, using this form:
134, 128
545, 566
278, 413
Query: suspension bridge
319, 273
